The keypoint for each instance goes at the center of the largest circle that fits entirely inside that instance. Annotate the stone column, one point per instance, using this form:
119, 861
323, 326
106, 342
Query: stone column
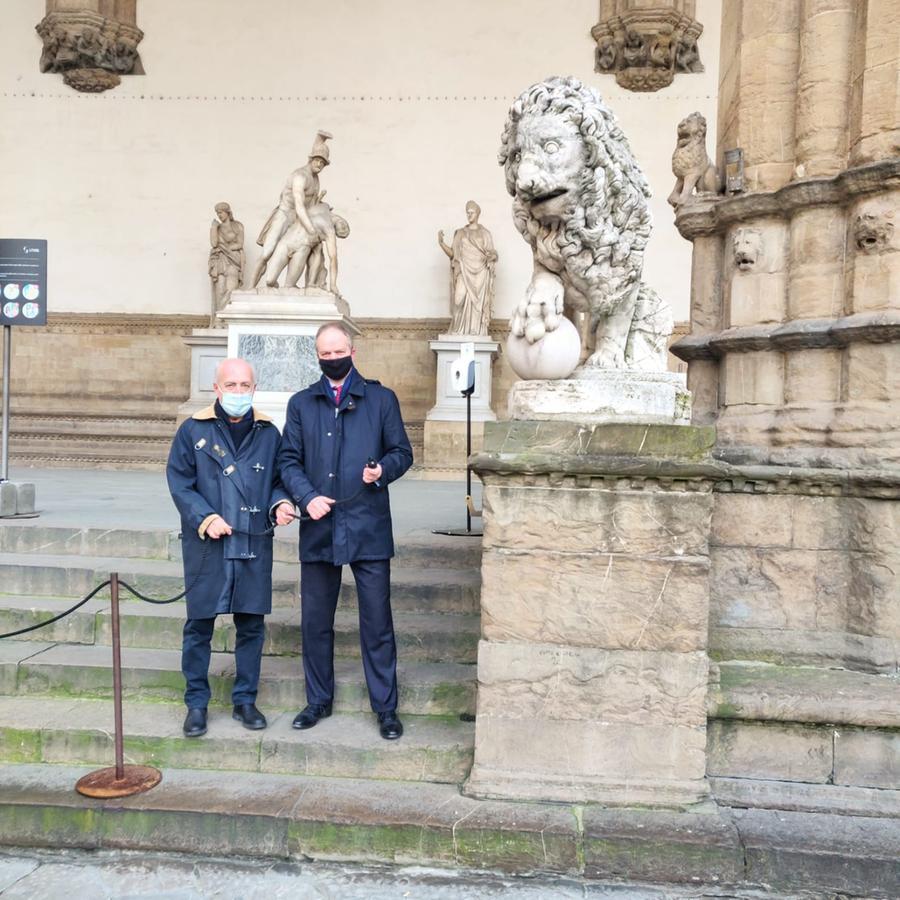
823, 85
757, 87
592, 673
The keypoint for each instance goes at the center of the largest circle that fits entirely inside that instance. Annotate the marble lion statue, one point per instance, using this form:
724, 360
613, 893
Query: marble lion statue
691, 165
581, 203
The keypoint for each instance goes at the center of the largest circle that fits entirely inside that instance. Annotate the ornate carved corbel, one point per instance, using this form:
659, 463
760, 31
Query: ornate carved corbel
644, 48
90, 49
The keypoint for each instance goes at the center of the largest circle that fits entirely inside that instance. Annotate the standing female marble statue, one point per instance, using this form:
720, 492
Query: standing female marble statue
226, 258
472, 261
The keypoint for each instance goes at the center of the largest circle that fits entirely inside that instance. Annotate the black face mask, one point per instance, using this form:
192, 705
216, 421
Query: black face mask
336, 369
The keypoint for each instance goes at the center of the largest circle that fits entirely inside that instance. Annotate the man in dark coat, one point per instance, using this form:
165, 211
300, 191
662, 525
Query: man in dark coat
224, 481
344, 442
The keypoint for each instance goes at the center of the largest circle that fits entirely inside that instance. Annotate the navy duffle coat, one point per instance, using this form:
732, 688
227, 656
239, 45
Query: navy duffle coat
207, 475
323, 452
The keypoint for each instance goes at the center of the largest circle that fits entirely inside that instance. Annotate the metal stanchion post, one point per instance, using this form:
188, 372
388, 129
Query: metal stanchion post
7, 357
120, 780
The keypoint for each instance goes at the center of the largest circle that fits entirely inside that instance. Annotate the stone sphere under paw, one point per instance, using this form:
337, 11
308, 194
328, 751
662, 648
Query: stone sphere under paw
554, 356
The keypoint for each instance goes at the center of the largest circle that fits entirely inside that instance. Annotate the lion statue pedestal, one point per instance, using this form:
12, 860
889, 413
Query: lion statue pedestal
592, 667
604, 396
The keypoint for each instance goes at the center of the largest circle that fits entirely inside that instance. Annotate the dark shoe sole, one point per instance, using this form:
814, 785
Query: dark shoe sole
193, 734
251, 726
392, 737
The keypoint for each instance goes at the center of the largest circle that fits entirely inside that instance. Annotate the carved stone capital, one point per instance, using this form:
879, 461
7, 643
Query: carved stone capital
89, 46
645, 48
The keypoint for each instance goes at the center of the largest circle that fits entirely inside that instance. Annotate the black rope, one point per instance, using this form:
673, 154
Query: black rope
62, 615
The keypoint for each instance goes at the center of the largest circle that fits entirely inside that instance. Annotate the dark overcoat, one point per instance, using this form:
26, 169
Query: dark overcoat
323, 452
207, 475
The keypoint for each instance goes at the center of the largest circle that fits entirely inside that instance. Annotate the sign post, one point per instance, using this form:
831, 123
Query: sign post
23, 302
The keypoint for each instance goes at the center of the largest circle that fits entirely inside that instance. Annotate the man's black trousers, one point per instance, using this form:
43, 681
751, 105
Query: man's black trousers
320, 585
195, 655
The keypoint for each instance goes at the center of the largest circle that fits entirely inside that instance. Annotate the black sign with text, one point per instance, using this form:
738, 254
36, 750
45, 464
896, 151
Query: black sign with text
23, 281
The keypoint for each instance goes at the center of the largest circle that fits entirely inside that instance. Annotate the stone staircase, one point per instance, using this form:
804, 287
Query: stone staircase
55, 683
778, 772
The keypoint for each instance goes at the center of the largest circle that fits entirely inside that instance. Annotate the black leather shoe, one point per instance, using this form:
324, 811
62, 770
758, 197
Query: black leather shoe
195, 722
310, 715
249, 716
389, 725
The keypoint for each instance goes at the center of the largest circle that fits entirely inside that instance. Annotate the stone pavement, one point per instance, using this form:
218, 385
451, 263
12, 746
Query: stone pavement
61, 876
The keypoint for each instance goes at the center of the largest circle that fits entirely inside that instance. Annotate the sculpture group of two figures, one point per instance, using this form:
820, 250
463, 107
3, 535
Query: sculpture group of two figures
299, 237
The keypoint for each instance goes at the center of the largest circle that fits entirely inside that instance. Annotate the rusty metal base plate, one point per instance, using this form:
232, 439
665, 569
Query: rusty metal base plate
103, 783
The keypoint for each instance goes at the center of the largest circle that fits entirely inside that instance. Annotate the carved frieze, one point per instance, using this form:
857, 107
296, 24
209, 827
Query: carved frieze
645, 47
91, 49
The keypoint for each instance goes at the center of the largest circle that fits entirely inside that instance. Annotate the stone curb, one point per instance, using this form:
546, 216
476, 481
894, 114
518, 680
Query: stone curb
345, 819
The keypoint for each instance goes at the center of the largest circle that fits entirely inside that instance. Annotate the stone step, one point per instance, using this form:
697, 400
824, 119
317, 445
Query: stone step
27, 575
421, 637
836, 729
803, 694
366, 820
346, 745
415, 549
85, 671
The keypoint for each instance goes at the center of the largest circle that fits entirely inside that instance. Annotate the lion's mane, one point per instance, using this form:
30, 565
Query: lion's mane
612, 220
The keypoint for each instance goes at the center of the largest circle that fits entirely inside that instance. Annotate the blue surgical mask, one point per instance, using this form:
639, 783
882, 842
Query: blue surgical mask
236, 405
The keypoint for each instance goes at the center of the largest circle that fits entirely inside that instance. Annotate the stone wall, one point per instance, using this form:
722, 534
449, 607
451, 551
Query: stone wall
795, 313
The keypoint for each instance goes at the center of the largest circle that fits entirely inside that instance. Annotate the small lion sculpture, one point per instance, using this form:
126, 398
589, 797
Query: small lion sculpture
581, 203
691, 165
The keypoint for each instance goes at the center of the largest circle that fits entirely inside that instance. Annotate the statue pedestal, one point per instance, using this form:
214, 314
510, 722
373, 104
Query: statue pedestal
209, 346
445, 424
593, 666
594, 395
274, 329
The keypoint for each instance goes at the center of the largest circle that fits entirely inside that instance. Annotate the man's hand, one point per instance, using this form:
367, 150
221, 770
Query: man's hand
217, 528
284, 513
372, 475
319, 507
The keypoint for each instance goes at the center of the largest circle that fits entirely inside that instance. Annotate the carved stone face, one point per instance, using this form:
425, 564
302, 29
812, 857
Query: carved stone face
546, 163
341, 226
747, 245
872, 233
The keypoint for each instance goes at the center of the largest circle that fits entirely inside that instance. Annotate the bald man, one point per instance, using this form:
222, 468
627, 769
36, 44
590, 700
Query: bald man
223, 479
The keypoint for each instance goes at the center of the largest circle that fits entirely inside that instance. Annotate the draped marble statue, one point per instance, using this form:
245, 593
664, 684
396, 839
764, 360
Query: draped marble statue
226, 256
472, 263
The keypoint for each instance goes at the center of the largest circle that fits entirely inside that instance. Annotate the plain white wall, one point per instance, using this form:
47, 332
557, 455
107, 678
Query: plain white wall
123, 184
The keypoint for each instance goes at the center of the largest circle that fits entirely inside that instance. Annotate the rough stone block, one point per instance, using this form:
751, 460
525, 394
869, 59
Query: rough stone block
664, 523
817, 242
812, 376
867, 758
605, 600
769, 750
576, 760
873, 371
540, 681
779, 588
757, 298
754, 378
445, 443
748, 520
